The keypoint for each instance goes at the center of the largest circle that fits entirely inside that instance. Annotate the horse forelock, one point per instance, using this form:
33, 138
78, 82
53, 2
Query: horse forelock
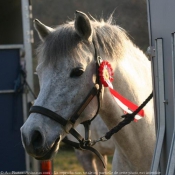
64, 41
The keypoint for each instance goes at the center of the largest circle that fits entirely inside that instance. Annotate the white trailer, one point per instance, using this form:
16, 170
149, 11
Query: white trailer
161, 18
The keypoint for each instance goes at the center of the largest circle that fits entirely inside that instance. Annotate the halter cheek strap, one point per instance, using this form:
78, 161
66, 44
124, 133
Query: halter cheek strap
94, 92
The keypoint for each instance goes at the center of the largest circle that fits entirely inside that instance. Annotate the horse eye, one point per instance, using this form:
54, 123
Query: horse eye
76, 72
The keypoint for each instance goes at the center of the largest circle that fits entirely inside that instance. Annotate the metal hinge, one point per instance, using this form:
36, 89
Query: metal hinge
150, 52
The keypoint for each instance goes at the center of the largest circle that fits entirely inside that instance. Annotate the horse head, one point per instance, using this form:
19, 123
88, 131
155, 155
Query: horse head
67, 72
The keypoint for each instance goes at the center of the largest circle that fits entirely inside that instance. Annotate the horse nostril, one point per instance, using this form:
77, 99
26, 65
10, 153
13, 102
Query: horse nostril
37, 140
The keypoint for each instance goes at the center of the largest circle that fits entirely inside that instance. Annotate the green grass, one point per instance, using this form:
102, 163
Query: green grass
66, 162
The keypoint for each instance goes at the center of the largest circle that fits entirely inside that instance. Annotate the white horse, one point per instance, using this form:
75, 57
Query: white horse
89, 161
67, 72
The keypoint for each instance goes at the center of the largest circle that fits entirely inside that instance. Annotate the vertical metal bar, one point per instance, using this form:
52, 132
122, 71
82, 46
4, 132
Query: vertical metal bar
160, 106
149, 22
152, 56
170, 170
29, 68
24, 6
27, 42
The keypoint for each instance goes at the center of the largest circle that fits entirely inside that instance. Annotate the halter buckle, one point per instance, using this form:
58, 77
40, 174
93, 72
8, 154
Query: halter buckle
99, 60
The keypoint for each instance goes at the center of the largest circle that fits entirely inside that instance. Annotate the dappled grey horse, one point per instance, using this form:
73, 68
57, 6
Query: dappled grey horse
68, 76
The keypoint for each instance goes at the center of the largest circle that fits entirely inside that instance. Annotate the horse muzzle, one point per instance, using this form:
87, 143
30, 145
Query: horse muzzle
36, 145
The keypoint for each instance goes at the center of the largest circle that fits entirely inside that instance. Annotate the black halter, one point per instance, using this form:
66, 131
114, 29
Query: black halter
84, 143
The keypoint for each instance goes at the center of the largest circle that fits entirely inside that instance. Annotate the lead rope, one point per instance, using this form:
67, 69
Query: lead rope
127, 119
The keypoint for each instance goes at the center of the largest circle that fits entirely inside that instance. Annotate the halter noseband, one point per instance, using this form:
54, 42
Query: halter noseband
84, 143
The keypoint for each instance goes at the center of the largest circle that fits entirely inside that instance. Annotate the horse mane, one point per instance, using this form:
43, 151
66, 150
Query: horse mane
64, 41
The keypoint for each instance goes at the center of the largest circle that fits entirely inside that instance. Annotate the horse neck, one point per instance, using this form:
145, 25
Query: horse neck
132, 79
132, 75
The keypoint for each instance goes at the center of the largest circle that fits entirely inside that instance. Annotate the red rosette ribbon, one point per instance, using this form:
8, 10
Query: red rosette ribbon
106, 77
105, 73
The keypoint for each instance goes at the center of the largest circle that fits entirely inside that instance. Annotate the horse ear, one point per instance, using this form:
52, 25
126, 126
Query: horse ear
83, 26
43, 30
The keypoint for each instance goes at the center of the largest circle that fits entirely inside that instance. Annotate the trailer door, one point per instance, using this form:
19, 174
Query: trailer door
12, 155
